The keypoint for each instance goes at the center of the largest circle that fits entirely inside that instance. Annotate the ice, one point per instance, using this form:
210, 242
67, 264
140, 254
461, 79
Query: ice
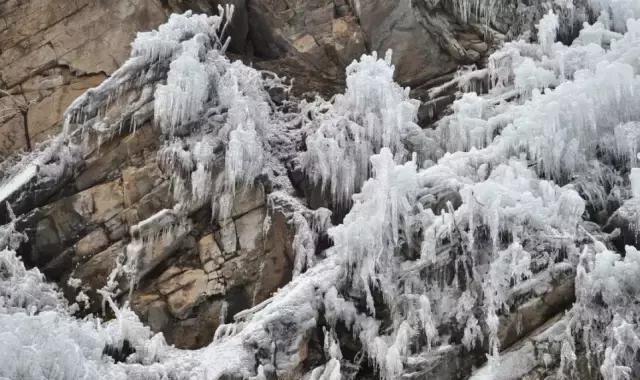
41, 340
469, 10
373, 113
384, 207
331, 370
596, 34
165, 41
183, 97
606, 311
548, 31
529, 77
430, 253
619, 11
16, 183
634, 177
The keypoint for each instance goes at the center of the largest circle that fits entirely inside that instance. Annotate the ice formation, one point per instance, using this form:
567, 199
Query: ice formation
440, 239
43, 340
373, 113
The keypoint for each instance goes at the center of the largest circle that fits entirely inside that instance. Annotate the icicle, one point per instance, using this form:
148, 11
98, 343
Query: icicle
374, 113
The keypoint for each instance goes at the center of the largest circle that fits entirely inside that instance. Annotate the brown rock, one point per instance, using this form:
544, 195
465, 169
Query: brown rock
248, 200
54, 51
276, 265
137, 182
12, 134
209, 251
45, 116
393, 24
185, 291
95, 272
94, 242
227, 238
108, 200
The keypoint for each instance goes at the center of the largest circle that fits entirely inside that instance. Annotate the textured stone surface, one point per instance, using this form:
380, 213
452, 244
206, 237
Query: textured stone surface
58, 49
51, 52
185, 291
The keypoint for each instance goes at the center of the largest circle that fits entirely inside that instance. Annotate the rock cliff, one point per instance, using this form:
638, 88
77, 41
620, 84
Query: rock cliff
201, 175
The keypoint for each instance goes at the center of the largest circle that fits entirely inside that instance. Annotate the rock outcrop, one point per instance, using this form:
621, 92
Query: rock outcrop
138, 211
52, 53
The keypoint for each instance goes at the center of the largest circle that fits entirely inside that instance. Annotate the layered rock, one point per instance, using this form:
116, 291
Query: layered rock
53, 52
128, 205
56, 52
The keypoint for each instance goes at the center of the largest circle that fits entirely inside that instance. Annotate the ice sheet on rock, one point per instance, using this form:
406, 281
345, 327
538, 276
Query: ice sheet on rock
60, 156
502, 218
222, 150
165, 41
289, 315
384, 206
183, 97
521, 361
511, 205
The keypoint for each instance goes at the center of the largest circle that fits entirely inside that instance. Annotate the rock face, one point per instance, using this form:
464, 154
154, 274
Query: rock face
197, 277
52, 52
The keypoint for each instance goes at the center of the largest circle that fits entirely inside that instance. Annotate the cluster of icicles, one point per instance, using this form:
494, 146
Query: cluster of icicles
488, 201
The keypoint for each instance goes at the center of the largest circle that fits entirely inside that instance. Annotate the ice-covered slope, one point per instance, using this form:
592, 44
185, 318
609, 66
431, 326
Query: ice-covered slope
457, 242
